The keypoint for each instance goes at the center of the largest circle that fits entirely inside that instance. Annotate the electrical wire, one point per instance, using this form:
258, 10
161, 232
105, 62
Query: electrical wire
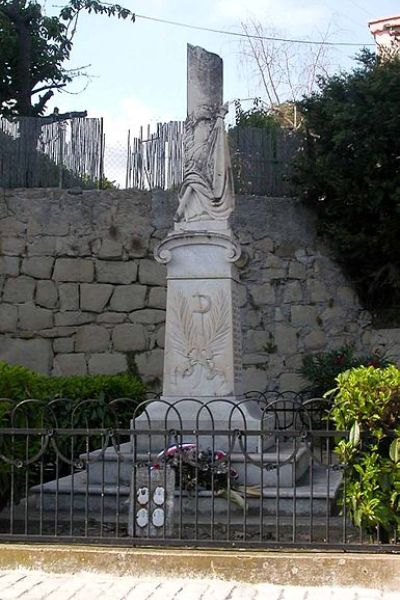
244, 35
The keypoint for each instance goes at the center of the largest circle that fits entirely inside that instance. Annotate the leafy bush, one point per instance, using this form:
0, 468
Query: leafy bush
322, 369
18, 383
367, 402
349, 172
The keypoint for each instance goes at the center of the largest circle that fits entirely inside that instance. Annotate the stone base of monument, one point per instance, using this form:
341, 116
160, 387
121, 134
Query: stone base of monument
112, 468
114, 506
213, 418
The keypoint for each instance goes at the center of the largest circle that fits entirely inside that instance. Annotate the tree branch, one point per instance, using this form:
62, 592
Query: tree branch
54, 86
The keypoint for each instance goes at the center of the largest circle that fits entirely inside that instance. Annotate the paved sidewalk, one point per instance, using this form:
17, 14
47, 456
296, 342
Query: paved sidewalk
37, 585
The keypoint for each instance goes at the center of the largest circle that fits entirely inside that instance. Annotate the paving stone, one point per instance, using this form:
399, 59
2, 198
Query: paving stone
107, 364
92, 338
19, 289
33, 318
9, 265
262, 294
304, 315
128, 337
297, 270
95, 296
40, 267
46, 293
10, 225
292, 292
63, 345
286, 338
8, 317
109, 271
43, 246
150, 364
13, 246
315, 340
69, 296
110, 249
148, 316
152, 272
74, 269
128, 297
111, 317
292, 382
158, 297
35, 354
70, 364
160, 336
72, 317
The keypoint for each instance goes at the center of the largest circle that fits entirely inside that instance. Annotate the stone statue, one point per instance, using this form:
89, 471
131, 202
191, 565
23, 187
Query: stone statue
207, 189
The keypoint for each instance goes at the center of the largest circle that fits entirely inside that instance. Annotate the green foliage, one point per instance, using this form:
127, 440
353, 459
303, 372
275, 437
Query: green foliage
349, 172
34, 48
367, 402
18, 383
257, 116
321, 369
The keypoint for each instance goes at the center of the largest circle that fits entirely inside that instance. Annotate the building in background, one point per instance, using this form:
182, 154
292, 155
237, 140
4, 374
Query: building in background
386, 32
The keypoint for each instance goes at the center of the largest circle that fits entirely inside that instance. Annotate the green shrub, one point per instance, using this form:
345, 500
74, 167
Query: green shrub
19, 383
321, 369
367, 403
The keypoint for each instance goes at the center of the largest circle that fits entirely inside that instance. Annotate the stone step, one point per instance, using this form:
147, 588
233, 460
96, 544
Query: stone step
105, 502
109, 467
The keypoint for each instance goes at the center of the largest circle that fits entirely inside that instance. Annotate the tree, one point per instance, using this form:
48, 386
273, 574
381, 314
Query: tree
285, 70
34, 48
349, 172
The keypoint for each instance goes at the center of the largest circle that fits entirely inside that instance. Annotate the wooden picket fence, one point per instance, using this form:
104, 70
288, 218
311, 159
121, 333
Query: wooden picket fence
261, 159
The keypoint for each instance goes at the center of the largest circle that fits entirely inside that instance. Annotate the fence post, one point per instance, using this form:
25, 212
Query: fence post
60, 153
101, 161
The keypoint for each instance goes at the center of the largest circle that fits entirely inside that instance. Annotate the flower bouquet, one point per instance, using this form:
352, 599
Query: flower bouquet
199, 470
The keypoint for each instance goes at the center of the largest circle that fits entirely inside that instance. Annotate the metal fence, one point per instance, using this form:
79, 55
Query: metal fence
261, 159
177, 475
47, 152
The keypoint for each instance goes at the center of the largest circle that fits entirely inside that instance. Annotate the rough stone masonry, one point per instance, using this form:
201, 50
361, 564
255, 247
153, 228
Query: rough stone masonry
82, 293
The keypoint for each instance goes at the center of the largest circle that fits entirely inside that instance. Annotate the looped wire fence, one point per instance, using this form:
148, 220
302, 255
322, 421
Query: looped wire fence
183, 473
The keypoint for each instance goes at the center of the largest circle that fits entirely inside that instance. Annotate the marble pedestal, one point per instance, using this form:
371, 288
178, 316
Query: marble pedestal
202, 387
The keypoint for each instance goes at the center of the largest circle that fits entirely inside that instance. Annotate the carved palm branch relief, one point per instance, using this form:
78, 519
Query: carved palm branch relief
217, 325
183, 333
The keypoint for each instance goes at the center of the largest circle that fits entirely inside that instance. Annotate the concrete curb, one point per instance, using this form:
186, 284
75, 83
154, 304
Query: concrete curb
378, 571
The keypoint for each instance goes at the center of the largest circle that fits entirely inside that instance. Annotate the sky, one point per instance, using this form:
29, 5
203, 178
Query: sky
138, 70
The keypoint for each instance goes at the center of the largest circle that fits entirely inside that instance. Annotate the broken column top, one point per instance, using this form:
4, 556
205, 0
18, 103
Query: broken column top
204, 79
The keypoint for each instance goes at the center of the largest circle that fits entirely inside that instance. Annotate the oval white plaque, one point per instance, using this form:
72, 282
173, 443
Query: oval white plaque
159, 496
158, 517
142, 517
143, 495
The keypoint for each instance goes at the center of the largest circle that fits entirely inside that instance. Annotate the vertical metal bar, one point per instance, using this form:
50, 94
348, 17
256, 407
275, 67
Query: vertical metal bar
26, 510
57, 474
278, 489
41, 492
294, 518
328, 484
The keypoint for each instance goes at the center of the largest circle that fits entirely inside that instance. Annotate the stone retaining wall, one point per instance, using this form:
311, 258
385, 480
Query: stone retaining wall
81, 292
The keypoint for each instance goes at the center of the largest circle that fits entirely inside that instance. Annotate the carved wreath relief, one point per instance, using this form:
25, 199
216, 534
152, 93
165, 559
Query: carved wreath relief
199, 335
